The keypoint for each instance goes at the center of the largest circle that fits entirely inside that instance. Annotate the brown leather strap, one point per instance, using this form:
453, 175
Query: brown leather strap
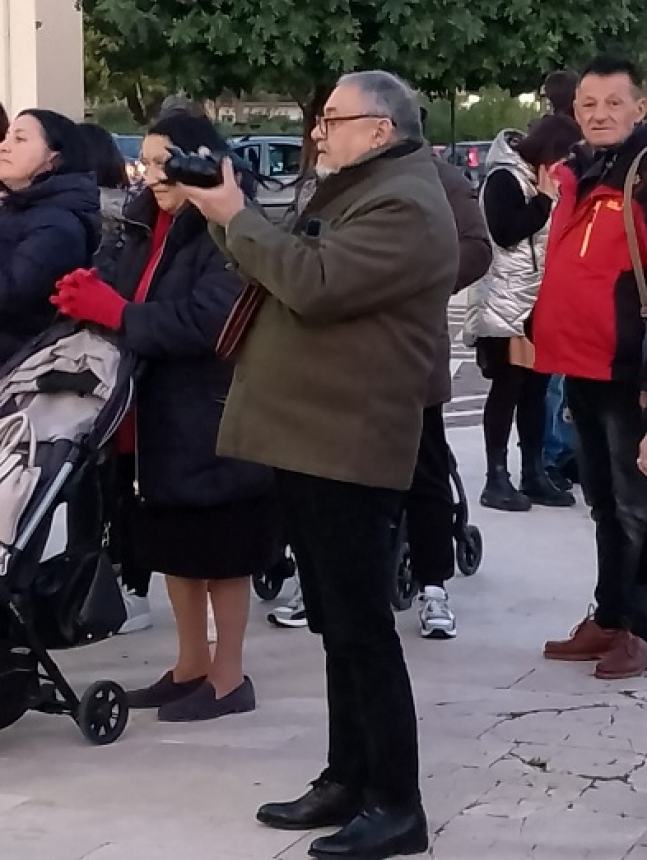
240, 320
632, 234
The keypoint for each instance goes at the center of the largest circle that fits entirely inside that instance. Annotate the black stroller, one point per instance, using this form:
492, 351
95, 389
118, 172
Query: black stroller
467, 537
57, 585
469, 554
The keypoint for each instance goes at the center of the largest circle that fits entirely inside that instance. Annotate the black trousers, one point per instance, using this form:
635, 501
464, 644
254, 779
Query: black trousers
430, 506
123, 508
345, 539
608, 419
513, 389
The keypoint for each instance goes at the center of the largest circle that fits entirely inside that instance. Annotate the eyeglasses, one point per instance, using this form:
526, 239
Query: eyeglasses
322, 123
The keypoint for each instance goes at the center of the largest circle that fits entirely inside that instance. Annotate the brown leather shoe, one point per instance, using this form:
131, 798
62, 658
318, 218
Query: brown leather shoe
588, 641
627, 658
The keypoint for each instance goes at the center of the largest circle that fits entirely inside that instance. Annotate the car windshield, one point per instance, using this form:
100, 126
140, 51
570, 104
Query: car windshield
129, 145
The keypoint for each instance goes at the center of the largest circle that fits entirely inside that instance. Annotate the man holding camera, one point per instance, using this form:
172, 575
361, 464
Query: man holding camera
329, 388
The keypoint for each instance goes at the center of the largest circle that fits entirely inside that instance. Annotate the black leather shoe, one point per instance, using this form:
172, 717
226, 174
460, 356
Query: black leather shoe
327, 804
377, 833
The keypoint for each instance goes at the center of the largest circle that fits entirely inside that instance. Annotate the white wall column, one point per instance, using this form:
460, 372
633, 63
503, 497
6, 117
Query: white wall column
41, 56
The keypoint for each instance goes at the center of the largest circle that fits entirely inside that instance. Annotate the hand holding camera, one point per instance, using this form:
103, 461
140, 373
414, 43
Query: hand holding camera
202, 169
210, 182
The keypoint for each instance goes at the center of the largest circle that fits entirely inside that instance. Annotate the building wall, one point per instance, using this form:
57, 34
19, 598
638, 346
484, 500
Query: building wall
41, 56
59, 51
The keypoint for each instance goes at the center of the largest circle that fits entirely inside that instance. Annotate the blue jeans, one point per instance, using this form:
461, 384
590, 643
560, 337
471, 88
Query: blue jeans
559, 441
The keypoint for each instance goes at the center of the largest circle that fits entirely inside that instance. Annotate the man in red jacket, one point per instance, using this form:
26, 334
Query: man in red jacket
587, 326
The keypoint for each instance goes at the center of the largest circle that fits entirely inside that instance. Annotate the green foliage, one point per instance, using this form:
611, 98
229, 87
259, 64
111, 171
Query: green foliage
137, 48
495, 110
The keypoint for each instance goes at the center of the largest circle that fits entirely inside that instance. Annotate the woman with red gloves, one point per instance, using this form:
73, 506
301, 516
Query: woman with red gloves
206, 522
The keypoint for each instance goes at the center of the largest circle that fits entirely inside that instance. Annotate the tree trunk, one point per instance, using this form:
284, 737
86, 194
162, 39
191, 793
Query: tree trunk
134, 105
312, 108
143, 110
452, 124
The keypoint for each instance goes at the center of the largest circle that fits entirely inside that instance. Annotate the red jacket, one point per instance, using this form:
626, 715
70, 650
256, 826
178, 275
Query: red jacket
586, 322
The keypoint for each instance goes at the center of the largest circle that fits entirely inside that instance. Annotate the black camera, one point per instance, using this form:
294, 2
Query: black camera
201, 171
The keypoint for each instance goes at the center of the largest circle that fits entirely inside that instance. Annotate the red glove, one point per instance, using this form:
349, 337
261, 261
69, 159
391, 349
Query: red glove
85, 297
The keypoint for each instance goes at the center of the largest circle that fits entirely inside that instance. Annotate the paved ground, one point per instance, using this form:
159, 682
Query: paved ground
469, 387
520, 758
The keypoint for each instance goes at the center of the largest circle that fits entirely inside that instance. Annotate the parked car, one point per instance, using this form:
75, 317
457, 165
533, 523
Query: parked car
470, 156
278, 157
130, 146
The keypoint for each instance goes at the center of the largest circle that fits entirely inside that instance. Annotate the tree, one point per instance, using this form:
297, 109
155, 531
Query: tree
301, 47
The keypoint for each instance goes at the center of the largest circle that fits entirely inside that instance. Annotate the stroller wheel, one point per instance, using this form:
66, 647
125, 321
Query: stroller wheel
469, 551
404, 587
103, 712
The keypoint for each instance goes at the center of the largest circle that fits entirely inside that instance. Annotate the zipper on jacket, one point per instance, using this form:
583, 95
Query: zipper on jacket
533, 251
589, 228
136, 483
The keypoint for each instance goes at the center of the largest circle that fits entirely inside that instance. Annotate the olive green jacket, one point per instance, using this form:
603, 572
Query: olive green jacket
332, 376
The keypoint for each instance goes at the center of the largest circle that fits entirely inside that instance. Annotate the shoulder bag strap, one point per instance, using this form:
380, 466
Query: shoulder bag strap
632, 234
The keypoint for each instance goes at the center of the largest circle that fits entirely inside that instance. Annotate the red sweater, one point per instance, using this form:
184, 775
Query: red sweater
125, 436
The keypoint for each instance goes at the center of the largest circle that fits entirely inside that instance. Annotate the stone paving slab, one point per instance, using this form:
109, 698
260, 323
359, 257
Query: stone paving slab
520, 758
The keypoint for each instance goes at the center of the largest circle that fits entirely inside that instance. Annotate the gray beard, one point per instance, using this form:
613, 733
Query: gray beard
325, 172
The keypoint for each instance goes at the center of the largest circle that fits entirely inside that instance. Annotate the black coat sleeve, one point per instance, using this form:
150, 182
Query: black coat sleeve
510, 217
49, 250
189, 326
475, 251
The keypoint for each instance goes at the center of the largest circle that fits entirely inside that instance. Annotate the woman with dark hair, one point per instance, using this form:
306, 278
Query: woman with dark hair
205, 522
104, 156
49, 219
517, 200
4, 122
109, 166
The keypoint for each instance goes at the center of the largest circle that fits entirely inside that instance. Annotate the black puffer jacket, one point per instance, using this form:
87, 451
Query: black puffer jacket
46, 230
183, 386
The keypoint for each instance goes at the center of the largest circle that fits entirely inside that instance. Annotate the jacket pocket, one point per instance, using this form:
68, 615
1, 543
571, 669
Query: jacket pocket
603, 230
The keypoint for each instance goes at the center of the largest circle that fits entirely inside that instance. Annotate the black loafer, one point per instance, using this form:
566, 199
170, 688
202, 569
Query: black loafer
327, 804
203, 704
162, 692
377, 833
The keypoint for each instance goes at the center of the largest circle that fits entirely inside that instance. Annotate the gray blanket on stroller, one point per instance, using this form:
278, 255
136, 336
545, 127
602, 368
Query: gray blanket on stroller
65, 410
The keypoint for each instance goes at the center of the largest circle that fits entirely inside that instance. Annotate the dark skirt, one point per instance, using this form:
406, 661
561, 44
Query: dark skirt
492, 355
223, 542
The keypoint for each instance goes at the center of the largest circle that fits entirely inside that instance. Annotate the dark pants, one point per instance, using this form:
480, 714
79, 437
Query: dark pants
608, 420
514, 389
345, 540
430, 506
123, 526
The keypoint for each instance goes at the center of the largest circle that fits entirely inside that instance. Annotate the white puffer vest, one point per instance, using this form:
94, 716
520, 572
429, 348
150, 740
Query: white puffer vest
499, 303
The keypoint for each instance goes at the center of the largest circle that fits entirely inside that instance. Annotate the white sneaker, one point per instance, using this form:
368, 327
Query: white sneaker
138, 613
437, 621
292, 615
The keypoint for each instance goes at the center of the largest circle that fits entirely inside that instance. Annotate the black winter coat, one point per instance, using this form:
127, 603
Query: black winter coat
183, 386
46, 231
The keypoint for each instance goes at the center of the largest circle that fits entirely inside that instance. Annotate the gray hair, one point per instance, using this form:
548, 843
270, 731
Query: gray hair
390, 95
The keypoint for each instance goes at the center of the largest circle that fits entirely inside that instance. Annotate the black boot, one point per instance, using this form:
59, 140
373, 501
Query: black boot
558, 478
536, 484
499, 492
327, 804
377, 833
